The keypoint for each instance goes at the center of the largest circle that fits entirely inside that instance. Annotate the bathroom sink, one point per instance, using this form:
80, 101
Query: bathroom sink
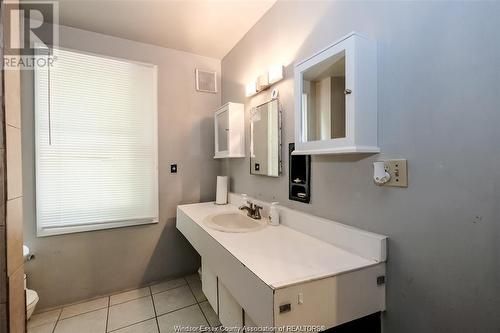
233, 222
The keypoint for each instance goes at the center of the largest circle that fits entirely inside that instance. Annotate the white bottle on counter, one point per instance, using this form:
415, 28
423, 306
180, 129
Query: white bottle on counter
274, 214
244, 197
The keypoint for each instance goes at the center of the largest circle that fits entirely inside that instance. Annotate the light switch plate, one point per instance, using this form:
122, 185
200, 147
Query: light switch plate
398, 171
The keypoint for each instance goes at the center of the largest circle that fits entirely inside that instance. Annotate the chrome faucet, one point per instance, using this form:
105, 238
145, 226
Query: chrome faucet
253, 210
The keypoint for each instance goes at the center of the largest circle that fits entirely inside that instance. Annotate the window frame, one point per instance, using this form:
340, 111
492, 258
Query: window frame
53, 231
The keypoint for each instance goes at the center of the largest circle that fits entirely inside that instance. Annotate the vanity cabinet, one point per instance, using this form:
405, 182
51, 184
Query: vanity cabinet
229, 122
336, 99
241, 296
328, 302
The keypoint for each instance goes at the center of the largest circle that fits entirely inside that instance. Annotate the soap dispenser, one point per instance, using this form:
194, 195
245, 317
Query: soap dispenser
274, 214
299, 188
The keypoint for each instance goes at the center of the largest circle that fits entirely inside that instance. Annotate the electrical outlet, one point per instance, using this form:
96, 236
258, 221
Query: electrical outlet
398, 171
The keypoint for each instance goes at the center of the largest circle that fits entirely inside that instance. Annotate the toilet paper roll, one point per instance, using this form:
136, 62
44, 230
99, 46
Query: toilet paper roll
221, 194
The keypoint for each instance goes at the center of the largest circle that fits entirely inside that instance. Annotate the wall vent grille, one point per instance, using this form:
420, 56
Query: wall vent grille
206, 81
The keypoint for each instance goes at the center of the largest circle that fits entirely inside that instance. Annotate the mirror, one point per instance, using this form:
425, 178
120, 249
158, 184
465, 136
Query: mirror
323, 100
265, 143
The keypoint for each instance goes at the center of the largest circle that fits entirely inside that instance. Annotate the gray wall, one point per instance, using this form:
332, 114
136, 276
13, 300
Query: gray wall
438, 104
72, 267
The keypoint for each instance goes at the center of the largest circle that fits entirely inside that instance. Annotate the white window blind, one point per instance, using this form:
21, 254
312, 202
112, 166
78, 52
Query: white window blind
96, 143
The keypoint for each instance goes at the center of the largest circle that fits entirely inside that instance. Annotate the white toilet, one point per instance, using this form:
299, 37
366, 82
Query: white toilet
31, 295
31, 300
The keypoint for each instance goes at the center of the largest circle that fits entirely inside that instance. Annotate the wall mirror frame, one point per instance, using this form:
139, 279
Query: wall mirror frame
336, 99
265, 139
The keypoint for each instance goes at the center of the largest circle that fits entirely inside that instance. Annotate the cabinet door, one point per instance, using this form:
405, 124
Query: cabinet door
209, 285
336, 99
323, 99
230, 312
222, 131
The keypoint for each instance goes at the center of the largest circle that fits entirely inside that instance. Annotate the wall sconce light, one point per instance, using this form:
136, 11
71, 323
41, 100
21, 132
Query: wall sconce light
251, 89
264, 81
276, 73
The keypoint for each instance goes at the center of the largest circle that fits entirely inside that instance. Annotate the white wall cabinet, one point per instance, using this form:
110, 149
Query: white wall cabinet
336, 99
229, 124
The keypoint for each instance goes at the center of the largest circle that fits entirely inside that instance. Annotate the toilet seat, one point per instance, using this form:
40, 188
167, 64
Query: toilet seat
31, 297
31, 301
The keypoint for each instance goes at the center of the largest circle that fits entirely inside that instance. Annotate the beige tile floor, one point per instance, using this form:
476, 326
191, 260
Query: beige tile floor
158, 308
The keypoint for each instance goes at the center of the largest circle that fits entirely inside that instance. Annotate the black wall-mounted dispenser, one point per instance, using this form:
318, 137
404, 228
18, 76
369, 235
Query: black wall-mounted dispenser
299, 182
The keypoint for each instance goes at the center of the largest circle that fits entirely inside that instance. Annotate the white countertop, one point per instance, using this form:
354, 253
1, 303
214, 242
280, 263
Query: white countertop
279, 255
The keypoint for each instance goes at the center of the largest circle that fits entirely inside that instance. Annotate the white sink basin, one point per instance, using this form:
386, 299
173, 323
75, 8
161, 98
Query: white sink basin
233, 222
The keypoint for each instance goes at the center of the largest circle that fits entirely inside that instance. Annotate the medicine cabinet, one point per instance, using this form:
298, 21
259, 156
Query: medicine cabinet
229, 124
265, 139
336, 99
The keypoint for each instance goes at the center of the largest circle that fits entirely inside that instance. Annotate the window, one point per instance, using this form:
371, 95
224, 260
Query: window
96, 143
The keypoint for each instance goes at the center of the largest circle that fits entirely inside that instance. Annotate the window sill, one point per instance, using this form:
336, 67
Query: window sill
54, 231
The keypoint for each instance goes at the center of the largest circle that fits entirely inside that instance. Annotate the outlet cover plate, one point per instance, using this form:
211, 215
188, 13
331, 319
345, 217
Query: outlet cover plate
398, 171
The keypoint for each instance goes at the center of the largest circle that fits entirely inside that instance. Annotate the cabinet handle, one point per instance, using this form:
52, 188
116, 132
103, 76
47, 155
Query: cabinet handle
347, 91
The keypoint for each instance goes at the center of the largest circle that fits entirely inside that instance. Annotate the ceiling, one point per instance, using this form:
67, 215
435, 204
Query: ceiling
205, 27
